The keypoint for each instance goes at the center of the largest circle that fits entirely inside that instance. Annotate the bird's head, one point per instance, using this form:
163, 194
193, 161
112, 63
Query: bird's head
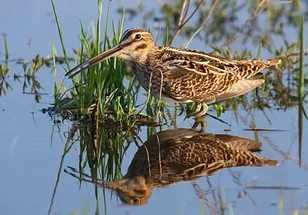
134, 191
134, 46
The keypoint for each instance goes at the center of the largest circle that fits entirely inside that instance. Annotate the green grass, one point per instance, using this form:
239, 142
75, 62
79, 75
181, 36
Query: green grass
60, 33
99, 102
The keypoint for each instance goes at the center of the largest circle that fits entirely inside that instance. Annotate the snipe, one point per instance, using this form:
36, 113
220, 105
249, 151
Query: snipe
179, 155
182, 75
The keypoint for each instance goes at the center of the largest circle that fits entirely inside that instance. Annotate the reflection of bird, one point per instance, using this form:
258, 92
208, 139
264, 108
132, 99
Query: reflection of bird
182, 75
179, 155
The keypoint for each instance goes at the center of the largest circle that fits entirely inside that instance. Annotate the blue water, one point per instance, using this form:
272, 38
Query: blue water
30, 155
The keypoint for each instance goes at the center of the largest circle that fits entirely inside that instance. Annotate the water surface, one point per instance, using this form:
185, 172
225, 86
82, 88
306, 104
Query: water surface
32, 145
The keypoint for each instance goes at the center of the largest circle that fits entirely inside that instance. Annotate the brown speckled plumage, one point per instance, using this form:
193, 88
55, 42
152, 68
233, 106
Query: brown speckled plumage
183, 75
189, 75
182, 154
186, 154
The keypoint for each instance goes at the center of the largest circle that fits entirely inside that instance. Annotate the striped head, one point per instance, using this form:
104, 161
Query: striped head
135, 45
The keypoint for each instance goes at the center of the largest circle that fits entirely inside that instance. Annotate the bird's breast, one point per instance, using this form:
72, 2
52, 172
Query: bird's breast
151, 78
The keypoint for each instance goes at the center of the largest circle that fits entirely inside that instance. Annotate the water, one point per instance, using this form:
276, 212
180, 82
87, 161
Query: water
31, 151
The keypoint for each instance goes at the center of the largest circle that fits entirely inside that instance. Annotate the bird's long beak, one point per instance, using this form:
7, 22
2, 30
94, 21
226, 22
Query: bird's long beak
99, 58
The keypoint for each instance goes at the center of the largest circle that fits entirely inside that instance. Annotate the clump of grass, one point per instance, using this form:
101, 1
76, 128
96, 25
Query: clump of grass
101, 102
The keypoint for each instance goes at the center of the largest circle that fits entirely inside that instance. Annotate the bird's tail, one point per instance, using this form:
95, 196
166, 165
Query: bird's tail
270, 162
274, 62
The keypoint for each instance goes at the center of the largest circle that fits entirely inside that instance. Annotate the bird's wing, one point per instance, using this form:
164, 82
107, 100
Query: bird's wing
178, 67
240, 143
198, 62
204, 63
209, 82
203, 169
197, 82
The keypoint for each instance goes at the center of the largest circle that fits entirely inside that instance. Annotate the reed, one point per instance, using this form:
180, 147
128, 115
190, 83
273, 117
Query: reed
301, 91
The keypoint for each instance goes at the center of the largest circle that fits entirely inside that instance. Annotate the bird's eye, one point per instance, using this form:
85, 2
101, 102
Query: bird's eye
138, 36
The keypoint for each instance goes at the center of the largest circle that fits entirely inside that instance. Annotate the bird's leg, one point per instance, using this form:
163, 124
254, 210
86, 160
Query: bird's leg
199, 121
200, 113
192, 109
201, 110
173, 120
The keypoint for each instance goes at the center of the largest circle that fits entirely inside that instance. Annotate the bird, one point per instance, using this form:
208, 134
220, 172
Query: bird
176, 155
182, 76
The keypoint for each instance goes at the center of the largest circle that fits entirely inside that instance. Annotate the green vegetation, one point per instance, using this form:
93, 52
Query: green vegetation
28, 79
99, 103
102, 102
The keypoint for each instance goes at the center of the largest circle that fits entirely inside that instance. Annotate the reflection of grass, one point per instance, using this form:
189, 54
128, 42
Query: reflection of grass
301, 91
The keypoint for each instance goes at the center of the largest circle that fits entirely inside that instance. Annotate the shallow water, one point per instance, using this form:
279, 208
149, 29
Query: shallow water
30, 154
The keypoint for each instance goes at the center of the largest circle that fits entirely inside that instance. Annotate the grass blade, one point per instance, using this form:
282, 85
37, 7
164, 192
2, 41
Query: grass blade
6, 49
300, 91
60, 34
